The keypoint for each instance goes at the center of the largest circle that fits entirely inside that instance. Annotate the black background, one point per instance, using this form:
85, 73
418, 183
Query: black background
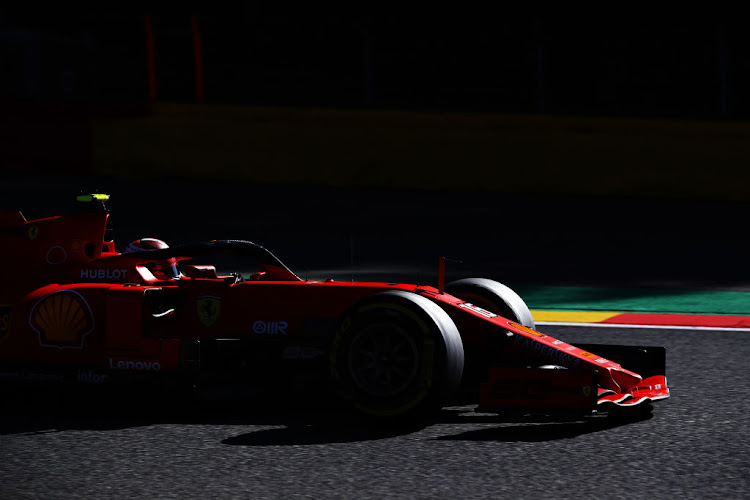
602, 63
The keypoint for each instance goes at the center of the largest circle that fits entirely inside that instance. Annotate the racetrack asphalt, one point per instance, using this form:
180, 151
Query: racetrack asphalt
692, 447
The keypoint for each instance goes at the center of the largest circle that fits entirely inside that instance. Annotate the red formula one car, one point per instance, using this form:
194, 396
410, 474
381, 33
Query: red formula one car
74, 310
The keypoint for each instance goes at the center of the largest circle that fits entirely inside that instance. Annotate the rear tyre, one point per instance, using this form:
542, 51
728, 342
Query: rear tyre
397, 355
494, 297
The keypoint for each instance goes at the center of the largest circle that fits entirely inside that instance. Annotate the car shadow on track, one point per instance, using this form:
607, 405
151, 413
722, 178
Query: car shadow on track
288, 428
293, 423
536, 429
300, 434
336, 430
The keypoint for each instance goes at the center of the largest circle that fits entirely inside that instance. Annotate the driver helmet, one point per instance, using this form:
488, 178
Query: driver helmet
163, 269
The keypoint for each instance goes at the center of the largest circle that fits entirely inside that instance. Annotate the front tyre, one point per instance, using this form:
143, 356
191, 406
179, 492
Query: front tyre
494, 297
396, 355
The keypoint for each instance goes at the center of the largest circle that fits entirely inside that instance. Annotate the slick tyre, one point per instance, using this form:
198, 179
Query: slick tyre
396, 356
494, 297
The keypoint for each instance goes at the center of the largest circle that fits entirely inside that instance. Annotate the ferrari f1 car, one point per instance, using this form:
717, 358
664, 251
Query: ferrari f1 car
74, 310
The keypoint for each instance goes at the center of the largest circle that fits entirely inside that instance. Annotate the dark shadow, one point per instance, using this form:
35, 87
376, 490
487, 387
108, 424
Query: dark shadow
299, 420
510, 429
295, 422
550, 429
321, 433
652, 247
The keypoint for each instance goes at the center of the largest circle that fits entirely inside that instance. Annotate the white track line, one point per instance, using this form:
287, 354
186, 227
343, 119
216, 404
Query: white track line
650, 327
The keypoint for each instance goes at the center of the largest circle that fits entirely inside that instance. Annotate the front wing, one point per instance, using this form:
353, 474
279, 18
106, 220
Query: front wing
575, 390
590, 381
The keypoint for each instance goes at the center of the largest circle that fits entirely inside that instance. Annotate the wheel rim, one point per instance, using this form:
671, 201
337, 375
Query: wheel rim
383, 359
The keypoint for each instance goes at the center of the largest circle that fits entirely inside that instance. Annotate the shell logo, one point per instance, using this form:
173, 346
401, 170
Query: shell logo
62, 319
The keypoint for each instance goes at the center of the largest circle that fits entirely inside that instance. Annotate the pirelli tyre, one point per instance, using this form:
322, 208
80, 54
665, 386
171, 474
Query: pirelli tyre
494, 297
396, 356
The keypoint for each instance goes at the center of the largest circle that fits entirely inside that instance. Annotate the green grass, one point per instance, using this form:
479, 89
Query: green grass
570, 298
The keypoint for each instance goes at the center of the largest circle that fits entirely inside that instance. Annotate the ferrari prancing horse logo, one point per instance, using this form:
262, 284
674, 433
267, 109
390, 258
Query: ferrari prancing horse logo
208, 309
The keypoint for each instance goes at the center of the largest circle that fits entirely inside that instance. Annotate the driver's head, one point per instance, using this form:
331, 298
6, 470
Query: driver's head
163, 269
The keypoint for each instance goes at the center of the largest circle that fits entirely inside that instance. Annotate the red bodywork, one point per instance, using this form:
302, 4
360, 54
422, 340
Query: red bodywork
69, 299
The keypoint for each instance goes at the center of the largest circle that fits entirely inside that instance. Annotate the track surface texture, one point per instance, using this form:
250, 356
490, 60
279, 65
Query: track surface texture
692, 447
